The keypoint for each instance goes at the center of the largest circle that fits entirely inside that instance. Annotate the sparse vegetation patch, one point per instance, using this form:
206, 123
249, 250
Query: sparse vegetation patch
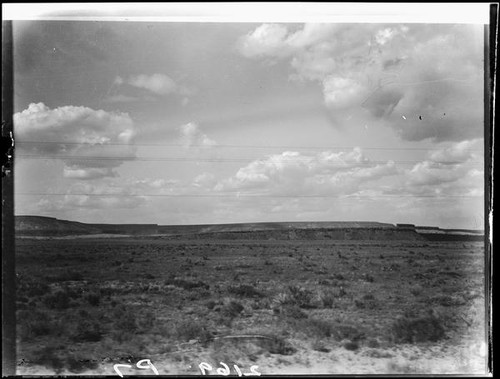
306, 304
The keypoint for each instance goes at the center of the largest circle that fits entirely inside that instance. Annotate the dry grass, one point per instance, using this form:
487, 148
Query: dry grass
160, 299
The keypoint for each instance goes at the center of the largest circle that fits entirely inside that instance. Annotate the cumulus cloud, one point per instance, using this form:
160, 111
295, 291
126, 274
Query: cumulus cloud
78, 136
84, 195
342, 92
205, 180
87, 173
454, 170
154, 84
266, 40
112, 193
293, 173
458, 152
278, 41
311, 34
431, 74
431, 173
385, 35
191, 135
149, 183
159, 84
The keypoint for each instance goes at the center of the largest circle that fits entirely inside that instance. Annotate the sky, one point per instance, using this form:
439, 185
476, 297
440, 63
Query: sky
201, 123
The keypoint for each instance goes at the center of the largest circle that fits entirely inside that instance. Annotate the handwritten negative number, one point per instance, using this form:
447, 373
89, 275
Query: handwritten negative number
139, 365
225, 370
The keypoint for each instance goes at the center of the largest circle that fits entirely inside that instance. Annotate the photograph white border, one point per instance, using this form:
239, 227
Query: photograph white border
468, 13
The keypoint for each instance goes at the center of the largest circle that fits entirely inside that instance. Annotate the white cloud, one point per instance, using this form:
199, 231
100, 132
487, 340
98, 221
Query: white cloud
143, 87
155, 183
351, 179
312, 66
342, 92
88, 172
292, 173
385, 35
89, 134
458, 152
311, 34
454, 170
266, 40
72, 123
159, 84
430, 173
191, 135
277, 41
431, 74
118, 81
84, 195
153, 186
205, 180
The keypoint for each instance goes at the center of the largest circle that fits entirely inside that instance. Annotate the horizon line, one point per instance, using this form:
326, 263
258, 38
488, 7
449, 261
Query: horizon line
259, 222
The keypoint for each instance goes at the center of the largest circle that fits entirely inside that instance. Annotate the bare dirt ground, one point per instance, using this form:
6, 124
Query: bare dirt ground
284, 307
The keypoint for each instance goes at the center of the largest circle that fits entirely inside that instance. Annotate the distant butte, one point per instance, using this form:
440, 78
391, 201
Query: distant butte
38, 226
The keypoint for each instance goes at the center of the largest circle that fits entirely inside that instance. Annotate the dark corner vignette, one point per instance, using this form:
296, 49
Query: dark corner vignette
8, 258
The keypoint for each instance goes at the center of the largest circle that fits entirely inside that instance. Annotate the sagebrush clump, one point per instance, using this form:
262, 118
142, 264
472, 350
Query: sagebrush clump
245, 290
191, 329
411, 329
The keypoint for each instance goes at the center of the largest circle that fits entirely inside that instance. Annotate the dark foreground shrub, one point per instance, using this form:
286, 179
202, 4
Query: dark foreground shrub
279, 346
48, 356
32, 288
350, 332
351, 345
93, 298
293, 311
56, 357
87, 331
232, 309
373, 343
125, 321
368, 278
191, 329
58, 300
187, 284
301, 296
66, 276
33, 323
417, 329
317, 328
78, 364
245, 290
145, 321
211, 304
328, 298
319, 345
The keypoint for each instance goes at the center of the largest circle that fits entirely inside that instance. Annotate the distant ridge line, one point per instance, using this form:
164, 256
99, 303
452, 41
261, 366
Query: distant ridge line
271, 224
43, 226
